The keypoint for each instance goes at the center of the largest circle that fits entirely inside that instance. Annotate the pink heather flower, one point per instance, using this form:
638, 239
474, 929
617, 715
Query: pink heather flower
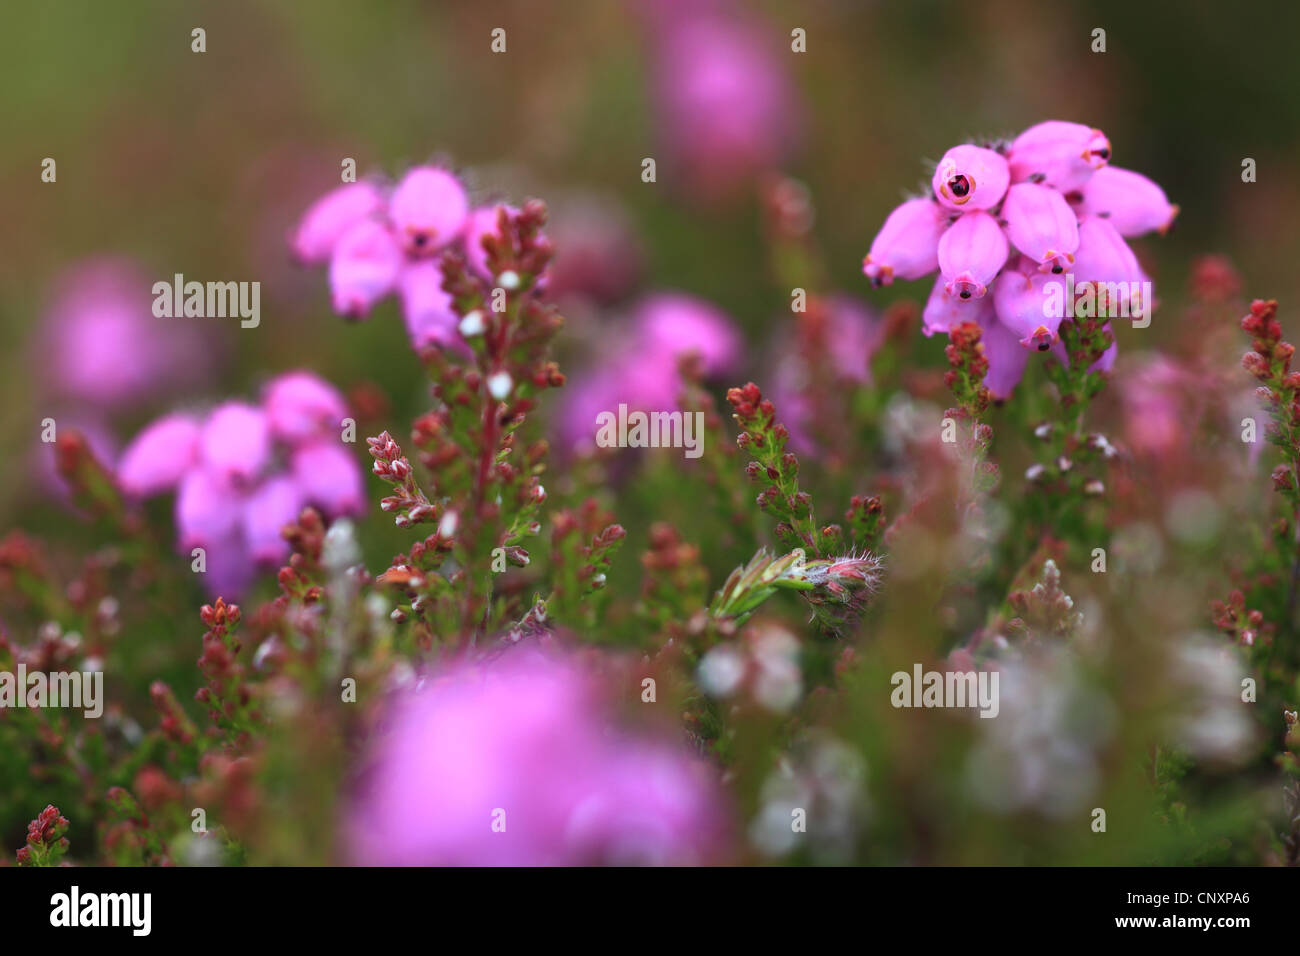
1041, 224
639, 367
364, 268
725, 104
275, 503
1031, 306
1155, 405
970, 177
159, 456
1006, 357
1104, 257
326, 220
375, 251
235, 442
427, 309
1064, 155
102, 345
971, 252
907, 246
671, 324
244, 472
300, 406
1131, 203
207, 509
328, 477
1067, 211
943, 311
515, 762
427, 210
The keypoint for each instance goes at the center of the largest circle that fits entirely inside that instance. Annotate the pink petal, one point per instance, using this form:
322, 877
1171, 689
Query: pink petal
300, 406
235, 442
330, 478
427, 209
907, 246
943, 311
1063, 154
1041, 224
1007, 359
1132, 203
1031, 306
207, 510
329, 217
970, 254
363, 268
970, 177
272, 505
158, 456
427, 309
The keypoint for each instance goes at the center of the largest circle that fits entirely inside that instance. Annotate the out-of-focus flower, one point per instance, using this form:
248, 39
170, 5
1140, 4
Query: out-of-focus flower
1155, 405
815, 801
639, 367
381, 240
103, 346
1213, 722
242, 472
1047, 202
516, 762
726, 108
765, 664
596, 252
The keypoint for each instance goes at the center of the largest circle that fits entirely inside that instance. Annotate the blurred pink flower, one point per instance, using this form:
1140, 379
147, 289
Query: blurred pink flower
242, 472
381, 241
516, 762
596, 252
638, 366
103, 346
726, 106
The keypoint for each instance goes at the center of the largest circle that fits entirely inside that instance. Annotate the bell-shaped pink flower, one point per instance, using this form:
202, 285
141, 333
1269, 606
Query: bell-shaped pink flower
1031, 306
1131, 203
159, 456
427, 309
1106, 260
230, 569
1041, 224
275, 503
427, 209
971, 252
300, 406
363, 268
943, 311
328, 218
328, 477
907, 246
1061, 154
1007, 359
670, 324
235, 442
970, 177
208, 509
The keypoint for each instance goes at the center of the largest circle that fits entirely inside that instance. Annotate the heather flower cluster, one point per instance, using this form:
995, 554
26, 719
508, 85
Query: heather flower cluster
242, 472
382, 239
1008, 226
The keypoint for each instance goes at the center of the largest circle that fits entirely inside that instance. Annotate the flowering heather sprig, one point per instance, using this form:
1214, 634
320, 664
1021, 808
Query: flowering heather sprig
965, 377
1045, 610
46, 843
582, 547
674, 583
836, 588
1246, 628
1003, 225
408, 500
766, 439
1270, 362
227, 695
